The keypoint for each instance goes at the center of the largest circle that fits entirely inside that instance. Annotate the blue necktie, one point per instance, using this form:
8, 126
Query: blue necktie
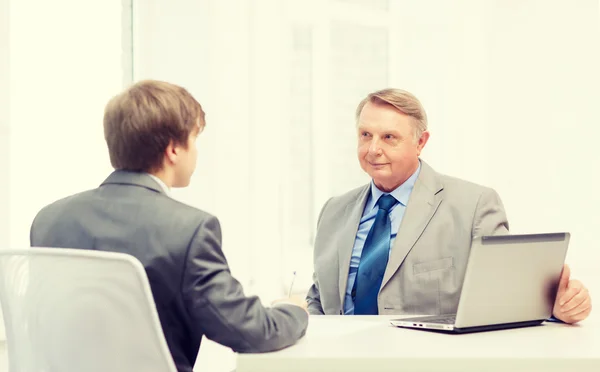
373, 259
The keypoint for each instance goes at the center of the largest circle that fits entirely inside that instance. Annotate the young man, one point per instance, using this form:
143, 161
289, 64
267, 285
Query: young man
151, 130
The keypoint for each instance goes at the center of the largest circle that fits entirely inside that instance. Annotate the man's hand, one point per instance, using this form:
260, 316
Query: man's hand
573, 302
294, 300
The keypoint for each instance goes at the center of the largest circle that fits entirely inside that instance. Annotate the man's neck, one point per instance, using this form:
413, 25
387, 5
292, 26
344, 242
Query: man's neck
162, 181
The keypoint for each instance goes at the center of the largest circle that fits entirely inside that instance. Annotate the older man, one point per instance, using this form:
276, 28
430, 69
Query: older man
400, 244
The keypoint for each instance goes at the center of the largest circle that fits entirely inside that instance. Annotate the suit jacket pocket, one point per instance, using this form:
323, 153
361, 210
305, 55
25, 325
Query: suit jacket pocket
427, 266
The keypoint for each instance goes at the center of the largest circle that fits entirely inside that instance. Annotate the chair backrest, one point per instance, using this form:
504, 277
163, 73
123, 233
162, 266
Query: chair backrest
71, 310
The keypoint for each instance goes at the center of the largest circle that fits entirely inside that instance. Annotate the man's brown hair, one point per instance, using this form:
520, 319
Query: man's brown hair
140, 123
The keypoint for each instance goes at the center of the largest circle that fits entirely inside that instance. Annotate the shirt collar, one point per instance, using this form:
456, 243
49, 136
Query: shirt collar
401, 193
160, 183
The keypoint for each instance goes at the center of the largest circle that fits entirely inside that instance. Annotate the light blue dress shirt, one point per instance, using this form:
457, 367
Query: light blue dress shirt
402, 194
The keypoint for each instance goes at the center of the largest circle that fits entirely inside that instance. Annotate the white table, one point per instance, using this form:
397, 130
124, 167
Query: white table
364, 343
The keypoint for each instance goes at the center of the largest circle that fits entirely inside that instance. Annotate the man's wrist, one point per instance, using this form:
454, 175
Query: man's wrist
554, 319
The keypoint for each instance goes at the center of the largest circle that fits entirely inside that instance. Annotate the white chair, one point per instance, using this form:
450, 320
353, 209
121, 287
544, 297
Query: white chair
70, 310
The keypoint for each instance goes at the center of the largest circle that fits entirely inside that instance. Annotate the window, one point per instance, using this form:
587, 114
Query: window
339, 52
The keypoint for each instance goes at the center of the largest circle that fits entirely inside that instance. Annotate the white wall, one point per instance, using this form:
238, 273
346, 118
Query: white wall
4, 121
445, 62
65, 59
544, 120
64, 68
4, 133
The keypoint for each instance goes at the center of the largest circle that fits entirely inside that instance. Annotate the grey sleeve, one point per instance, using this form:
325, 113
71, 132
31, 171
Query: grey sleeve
216, 302
490, 217
313, 297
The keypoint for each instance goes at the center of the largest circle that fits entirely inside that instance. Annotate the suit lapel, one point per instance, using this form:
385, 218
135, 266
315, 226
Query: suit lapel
349, 228
422, 205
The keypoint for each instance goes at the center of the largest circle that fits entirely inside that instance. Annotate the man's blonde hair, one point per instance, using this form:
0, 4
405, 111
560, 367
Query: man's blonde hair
403, 101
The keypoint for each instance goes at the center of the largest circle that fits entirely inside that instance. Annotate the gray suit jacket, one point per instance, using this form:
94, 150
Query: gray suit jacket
427, 263
180, 247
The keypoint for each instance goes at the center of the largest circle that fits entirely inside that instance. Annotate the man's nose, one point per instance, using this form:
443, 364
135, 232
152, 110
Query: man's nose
374, 148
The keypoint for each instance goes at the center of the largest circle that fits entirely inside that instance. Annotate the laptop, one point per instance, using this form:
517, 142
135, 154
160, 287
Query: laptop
510, 281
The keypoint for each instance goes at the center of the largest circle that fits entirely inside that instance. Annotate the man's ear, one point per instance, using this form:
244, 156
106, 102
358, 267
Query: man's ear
171, 152
422, 142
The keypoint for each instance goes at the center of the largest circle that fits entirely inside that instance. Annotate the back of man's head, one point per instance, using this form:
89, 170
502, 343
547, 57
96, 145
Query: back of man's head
140, 123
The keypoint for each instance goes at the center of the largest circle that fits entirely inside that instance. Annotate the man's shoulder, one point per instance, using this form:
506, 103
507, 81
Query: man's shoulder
348, 197
459, 184
153, 203
165, 201
66, 203
461, 191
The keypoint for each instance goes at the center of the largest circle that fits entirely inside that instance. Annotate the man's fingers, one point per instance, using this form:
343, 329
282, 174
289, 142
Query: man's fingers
568, 296
584, 306
582, 315
574, 301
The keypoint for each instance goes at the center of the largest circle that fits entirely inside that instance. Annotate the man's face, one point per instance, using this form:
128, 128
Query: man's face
187, 157
387, 149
